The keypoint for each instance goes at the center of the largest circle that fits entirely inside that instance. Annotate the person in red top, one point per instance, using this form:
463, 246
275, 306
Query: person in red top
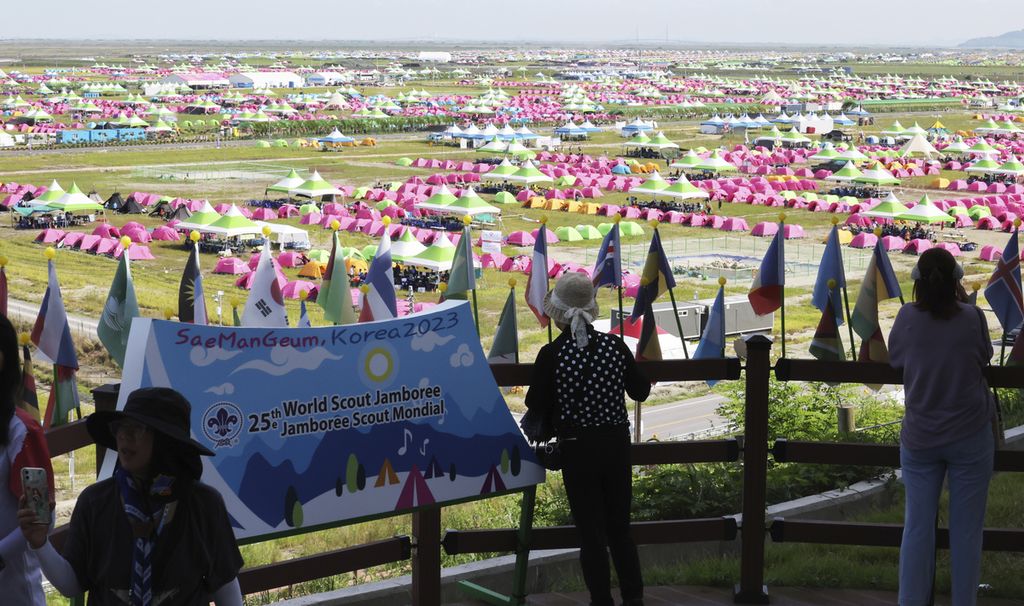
22, 444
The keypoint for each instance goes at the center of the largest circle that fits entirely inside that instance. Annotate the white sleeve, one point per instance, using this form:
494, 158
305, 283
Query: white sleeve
58, 570
228, 595
12, 545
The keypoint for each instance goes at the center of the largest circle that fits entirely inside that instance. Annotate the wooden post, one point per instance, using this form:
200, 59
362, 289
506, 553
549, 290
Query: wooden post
426, 558
105, 398
751, 588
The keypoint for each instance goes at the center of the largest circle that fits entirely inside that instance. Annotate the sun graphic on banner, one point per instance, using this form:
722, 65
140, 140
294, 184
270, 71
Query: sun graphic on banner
379, 364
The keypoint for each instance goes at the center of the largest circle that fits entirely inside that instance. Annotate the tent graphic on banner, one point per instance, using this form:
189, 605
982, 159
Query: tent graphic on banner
419, 420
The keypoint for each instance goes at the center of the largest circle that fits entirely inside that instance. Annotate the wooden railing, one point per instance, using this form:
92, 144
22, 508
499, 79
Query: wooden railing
424, 546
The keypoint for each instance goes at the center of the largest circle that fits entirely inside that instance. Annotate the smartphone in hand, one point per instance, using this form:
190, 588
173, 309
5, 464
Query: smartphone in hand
34, 483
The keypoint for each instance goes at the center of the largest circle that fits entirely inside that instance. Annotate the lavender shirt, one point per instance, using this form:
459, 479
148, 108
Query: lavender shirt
947, 397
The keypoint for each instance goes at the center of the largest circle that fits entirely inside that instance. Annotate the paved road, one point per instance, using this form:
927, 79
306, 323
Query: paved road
683, 418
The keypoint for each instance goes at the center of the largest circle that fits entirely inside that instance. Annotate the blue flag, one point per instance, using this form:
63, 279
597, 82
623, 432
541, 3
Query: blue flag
830, 268
608, 269
655, 279
712, 342
1003, 291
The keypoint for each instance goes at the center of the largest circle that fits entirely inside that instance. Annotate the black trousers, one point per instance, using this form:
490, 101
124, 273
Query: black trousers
599, 483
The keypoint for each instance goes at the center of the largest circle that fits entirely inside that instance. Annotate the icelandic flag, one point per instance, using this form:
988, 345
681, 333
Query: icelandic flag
879, 284
608, 269
505, 348
712, 342
120, 308
830, 268
191, 299
537, 284
1003, 290
265, 306
52, 335
335, 296
766, 292
380, 302
655, 279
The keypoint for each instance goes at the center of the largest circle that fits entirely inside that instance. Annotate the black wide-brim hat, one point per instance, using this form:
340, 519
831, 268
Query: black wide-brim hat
162, 409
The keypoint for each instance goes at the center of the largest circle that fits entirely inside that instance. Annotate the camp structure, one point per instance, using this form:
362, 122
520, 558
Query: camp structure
285, 185
316, 187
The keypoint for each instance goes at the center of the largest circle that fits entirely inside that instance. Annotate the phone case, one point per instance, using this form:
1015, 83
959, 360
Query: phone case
33, 482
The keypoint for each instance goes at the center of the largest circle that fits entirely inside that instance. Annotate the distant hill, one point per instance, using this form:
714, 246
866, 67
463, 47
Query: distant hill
1007, 40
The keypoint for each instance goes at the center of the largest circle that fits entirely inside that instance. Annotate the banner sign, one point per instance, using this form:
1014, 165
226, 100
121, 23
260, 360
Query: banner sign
315, 426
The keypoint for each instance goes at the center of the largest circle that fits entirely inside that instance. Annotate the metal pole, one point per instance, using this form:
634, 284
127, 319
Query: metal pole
849, 325
679, 324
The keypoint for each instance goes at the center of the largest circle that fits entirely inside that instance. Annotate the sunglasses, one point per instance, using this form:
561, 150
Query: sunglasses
128, 429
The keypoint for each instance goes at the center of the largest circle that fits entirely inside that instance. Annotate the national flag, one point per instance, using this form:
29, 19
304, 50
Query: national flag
265, 305
649, 346
1003, 291
52, 335
505, 348
830, 268
655, 279
380, 301
827, 343
3, 290
879, 284
303, 315
537, 283
121, 306
766, 292
335, 296
191, 298
462, 277
28, 399
712, 342
608, 269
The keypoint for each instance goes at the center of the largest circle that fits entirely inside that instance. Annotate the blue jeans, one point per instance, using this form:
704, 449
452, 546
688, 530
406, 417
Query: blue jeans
968, 463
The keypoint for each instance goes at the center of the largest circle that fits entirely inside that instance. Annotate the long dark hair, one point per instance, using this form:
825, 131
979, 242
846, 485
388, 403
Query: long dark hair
936, 283
10, 376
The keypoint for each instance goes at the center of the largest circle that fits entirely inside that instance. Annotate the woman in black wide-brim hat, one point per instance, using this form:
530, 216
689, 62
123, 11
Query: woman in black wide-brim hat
153, 534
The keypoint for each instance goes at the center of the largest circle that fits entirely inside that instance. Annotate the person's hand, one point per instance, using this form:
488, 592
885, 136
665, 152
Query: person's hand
34, 531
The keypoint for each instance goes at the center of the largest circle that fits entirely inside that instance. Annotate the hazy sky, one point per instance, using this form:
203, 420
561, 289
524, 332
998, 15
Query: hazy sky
888, 22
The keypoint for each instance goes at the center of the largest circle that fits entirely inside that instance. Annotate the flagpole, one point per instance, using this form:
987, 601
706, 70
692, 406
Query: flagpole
849, 323
476, 310
679, 323
512, 290
782, 278
622, 318
782, 314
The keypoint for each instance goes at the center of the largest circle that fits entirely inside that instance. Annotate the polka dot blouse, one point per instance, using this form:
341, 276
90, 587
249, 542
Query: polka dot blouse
586, 387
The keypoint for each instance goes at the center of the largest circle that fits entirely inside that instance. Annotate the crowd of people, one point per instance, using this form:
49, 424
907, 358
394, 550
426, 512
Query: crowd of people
903, 230
856, 191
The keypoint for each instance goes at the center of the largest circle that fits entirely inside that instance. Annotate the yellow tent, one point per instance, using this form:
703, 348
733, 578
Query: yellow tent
354, 266
571, 206
313, 269
554, 204
939, 183
589, 208
536, 202
845, 237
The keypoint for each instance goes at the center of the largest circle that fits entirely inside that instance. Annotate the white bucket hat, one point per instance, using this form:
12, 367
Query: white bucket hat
571, 303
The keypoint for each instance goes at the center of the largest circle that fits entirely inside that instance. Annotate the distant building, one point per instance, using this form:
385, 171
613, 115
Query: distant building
266, 80
327, 78
197, 80
434, 57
